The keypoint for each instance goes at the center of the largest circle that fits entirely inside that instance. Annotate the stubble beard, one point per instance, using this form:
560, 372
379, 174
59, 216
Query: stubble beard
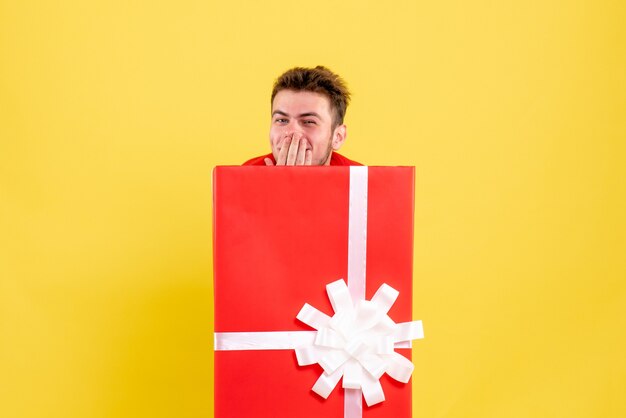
329, 151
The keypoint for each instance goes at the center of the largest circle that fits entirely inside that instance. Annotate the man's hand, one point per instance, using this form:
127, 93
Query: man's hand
293, 152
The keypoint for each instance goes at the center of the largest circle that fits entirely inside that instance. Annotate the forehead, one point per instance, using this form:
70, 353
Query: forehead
297, 102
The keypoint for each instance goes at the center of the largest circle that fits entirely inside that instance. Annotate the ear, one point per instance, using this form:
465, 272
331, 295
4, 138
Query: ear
339, 137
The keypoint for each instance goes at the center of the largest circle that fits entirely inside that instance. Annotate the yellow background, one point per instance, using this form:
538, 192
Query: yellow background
112, 114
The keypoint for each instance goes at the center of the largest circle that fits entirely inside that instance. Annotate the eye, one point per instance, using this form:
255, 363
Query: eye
309, 122
281, 120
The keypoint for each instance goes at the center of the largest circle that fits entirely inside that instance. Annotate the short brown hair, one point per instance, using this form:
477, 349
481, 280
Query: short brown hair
318, 80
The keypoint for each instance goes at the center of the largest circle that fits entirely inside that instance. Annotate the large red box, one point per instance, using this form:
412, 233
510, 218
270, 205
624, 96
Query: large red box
280, 236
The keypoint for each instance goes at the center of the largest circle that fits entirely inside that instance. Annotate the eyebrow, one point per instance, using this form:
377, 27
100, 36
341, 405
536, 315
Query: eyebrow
302, 115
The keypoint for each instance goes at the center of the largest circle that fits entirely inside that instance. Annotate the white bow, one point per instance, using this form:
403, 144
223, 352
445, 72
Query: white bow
358, 342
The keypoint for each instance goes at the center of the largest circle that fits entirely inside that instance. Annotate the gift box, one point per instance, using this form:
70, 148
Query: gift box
283, 237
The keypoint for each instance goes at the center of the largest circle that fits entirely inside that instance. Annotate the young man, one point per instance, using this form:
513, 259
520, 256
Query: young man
308, 107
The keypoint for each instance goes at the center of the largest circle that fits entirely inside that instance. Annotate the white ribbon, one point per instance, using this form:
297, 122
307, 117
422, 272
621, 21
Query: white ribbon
358, 341
273, 340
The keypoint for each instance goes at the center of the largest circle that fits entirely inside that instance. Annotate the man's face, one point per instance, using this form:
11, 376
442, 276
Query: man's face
306, 117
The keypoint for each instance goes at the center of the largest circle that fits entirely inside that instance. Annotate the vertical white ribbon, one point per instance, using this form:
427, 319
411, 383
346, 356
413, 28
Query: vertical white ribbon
357, 257
357, 232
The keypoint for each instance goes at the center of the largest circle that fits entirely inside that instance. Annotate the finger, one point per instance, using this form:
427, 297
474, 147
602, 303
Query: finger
308, 157
301, 152
268, 161
282, 155
293, 151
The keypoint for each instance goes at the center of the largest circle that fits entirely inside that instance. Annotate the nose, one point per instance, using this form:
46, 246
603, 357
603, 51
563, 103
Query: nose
292, 128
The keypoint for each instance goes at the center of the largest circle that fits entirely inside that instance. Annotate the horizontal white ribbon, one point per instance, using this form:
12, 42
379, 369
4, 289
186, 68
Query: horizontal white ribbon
271, 340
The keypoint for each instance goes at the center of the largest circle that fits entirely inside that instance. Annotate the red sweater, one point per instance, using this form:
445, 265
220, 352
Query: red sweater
335, 159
